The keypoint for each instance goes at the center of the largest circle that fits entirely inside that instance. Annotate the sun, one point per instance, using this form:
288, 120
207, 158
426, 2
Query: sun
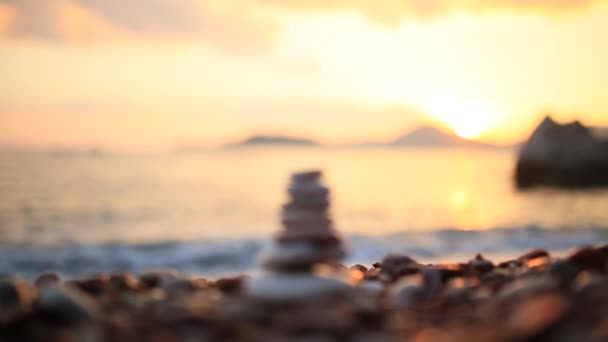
467, 119
467, 129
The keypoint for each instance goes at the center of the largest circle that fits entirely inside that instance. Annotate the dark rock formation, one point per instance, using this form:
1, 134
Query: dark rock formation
566, 156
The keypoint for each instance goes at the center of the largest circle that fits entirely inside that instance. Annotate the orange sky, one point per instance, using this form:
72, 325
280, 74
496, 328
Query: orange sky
155, 73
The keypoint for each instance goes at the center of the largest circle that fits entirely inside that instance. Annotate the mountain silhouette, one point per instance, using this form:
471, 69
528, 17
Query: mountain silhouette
259, 140
432, 136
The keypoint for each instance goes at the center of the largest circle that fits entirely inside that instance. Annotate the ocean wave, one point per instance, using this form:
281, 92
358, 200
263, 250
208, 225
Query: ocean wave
218, 257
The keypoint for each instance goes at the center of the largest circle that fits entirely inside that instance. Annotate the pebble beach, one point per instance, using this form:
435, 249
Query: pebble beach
535, 297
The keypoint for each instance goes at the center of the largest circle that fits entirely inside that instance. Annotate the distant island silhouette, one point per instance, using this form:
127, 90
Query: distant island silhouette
424, 136
257, 140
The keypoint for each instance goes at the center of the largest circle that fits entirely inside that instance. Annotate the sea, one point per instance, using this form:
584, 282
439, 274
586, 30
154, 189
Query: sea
209, 212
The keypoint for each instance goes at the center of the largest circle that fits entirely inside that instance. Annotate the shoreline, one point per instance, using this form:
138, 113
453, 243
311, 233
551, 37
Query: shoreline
213, 258
536, 296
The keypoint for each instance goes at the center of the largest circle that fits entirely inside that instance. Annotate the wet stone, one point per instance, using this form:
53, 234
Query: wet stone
123, 281
16, 298
65, 305
431, 281
359, 267
94, 286
510, 264
397, 265
48, 278
526, 287
589, 258
534, 317
231, 285
564, 272
372, 274
481, 265
156, 278
408, 291
592, 286
533, 254
449, 272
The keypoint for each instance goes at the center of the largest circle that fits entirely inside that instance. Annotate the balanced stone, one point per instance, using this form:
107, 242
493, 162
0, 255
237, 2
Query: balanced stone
306, 240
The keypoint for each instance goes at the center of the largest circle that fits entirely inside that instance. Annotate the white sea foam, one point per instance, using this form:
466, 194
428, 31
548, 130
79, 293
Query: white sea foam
221, 257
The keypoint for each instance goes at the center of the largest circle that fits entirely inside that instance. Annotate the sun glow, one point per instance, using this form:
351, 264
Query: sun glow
468, 119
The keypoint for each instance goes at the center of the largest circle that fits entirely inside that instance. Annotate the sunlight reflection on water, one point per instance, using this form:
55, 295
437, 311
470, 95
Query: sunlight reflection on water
237, 192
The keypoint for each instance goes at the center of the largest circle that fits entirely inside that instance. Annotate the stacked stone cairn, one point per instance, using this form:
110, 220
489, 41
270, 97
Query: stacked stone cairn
306, 242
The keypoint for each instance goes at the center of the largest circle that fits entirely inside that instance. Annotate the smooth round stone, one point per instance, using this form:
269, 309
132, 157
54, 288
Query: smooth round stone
308, 225
47, 278
372, 287
589, 258
156, 278
320, 207
308, 191
65, 304
306, 176
123, 281
481, 264
296, 214
299, 255
314, 203
407, 292
16, 298
318, 228
315, 236
319, 225
528, 287
359, 267
565, 272
293, 287
534, 254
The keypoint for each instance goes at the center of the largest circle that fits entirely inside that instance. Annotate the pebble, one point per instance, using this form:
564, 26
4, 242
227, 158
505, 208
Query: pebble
397, 265
231, 285
526, 287
16, 298
532, 318
93, 286
65, 305
481, 265
123, 281
48, 278
589, 258
565, 272
294, 287
407, 292
154, 279
533, 254
359, 268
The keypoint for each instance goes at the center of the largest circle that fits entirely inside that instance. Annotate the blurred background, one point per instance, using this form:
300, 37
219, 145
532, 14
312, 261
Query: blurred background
161, 134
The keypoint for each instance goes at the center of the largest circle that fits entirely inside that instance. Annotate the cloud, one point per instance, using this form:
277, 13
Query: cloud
230, 25
235, 26
393, 12
36, 18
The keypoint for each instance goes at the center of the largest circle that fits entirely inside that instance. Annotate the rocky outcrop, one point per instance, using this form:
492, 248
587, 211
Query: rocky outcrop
562, 155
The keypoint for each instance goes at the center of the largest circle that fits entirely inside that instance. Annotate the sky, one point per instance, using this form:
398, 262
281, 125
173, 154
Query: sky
156, 73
